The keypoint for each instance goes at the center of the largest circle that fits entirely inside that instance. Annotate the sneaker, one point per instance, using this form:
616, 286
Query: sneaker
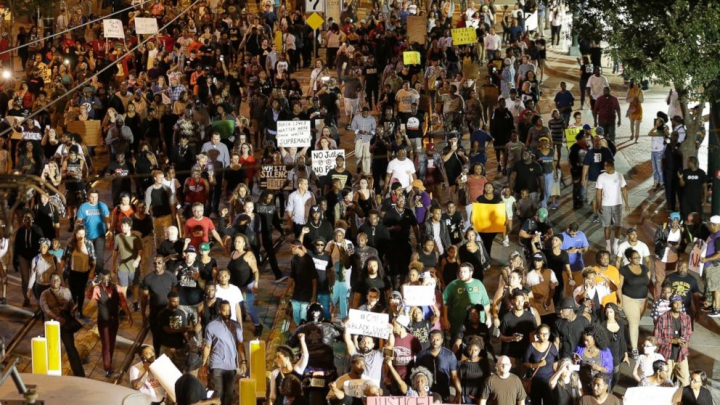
506, 243
715, 313
555, 206
108, 374
596, 218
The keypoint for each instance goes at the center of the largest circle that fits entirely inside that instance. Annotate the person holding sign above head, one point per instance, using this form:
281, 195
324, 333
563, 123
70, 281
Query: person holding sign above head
350, 388
365, 349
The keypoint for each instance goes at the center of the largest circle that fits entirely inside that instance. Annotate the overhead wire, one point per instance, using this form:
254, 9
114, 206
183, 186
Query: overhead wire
73, 28
109, 66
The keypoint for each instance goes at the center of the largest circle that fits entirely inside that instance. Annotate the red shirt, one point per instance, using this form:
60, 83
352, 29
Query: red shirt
198, 231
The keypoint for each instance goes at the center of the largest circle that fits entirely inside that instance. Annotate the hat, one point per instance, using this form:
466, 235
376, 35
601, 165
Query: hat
319, 239
630, 230
419, 184
567, 303
366, 108
314, 209
663, 116
396, 294
676, 297
430, 147
580, 135
403, 320
587, 127
599, 131
675, 215
204, 247
542, 214
559, 236
190, 249
715, 219
341, 230
538, 257
507, 61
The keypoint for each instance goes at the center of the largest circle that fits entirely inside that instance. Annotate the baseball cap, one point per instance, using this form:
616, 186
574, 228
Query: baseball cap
599, 131
567, 303
204, 247
430, 147
396, 294
559, 236
314, 209
674, 216
190, 249
419, 184
542, 214
538, 257
715, 219
587, 127
676, 297
366, 109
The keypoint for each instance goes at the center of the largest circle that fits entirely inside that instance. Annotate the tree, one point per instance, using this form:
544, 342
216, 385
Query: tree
671, 42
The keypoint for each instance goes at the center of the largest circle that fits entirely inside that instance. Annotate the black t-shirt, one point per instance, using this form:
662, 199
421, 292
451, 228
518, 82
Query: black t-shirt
405, 219
168, 248
322, 261
694, 182
557, 263
454, 226
527, 176
175, 319
120, 180
382, 284
684, 286
512, 324
635, 286
159, 285
371, 76
345, 178
190, 291
414, 125
303, 273
570, 334
144, 226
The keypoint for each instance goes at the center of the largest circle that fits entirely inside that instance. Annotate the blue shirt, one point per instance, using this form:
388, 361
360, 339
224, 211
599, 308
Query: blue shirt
442, 365
564, 99
223, 340
579, 242
93, 217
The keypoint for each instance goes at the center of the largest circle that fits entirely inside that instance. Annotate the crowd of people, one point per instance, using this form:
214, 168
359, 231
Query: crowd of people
189, 119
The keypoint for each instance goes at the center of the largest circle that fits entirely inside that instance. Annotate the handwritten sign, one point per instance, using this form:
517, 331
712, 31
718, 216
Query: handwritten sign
356, 387
418, 295
571, 135
652, 395
272, 177
489, 218
368, 324
293, 133
146, 26
416, 29
462, 36
324, 160
113, 29
399, 401
314, 6
411, 58
333, 10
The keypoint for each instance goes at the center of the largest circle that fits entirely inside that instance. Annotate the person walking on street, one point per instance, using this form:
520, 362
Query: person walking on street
610, 186
606, 110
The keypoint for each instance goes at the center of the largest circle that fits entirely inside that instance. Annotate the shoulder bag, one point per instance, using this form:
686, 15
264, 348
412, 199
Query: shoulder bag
527, 381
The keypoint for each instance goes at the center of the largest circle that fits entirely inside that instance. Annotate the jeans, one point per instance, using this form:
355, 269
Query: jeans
548, 188
340, 297
299, 309
223, 382
656, 160
99, 245
248, 303
609, 130
324, 300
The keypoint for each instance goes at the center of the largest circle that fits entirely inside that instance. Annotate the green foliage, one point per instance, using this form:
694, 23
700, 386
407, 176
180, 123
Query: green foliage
670, 41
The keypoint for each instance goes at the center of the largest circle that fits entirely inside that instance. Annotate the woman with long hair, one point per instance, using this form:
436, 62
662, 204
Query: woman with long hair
474, 253
244, 274
42, 267
79, 264
247, 160
593, 355
565, 384
287, 366
615, 326
473, 370
634, 284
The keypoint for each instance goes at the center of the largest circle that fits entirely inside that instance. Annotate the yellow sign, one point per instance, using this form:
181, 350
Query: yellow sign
279, 41
315, 21
489, 218
571, 134
462, 36
411, 58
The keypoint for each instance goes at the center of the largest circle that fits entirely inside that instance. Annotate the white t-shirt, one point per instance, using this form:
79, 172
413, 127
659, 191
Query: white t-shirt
596, 85
611, 186
150, 385
639, 247
671, 254
231, 294
402, 170
406, 98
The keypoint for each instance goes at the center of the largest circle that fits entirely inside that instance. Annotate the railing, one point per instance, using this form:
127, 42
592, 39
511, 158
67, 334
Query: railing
127, 362
19, 336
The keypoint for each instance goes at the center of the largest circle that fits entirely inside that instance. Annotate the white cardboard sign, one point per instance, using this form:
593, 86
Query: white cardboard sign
113, 29
146, 26
324, 160
418, 295
368, 324
293, 134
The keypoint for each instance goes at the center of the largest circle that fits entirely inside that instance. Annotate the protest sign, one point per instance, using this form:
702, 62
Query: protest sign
272, 177
418, 295
113, 29
651, 395
489, 218
411, 58
416, 29
462, 36
355, 388
146, 26
399, 400
324, 160
571, 134
333, 11
368, 324
293, 133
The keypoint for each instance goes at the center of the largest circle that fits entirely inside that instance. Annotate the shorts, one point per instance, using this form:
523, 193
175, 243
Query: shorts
590, 191
555, 189
712, 277
126, 278
611, 215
